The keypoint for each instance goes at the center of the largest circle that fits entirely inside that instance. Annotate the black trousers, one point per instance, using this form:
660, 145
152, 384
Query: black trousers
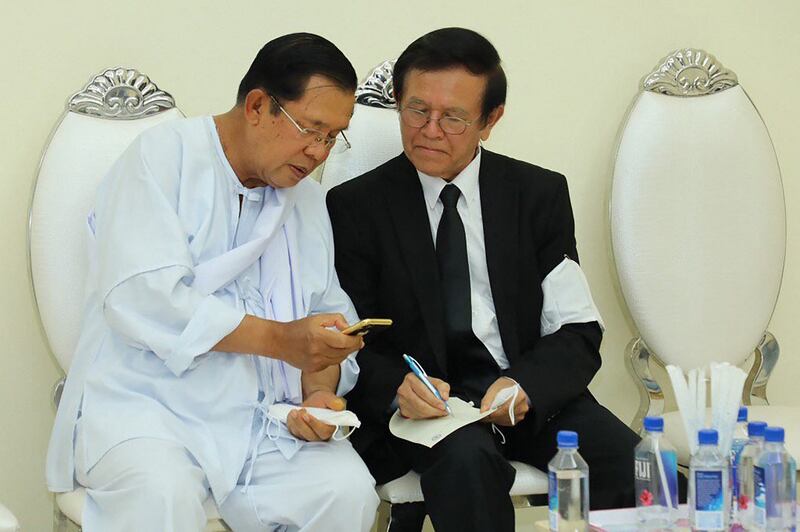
466, 477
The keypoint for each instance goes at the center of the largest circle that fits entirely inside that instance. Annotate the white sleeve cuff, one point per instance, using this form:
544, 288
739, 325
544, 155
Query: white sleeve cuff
212, 321
348, 375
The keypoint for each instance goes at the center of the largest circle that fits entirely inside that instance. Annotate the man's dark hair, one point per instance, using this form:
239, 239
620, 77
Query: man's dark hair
284, 65
455, 47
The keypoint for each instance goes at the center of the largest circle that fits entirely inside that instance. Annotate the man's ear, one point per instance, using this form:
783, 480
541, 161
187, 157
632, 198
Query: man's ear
257, 105
494, 116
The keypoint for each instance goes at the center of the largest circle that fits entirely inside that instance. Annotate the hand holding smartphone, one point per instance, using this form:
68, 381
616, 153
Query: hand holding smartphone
364, 326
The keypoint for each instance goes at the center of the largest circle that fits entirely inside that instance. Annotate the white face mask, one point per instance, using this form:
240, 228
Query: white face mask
504, 395
336, 418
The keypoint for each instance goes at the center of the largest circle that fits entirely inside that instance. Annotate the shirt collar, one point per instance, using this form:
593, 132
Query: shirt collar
253, 194
466, 181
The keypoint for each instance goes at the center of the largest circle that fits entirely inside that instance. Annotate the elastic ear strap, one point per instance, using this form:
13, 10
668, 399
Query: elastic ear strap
272, 421
352, 429
512, 403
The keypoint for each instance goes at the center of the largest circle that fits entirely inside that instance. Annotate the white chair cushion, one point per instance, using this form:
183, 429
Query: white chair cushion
81, 151
71, 504
698, 225
787, 417
375, 135
529, 481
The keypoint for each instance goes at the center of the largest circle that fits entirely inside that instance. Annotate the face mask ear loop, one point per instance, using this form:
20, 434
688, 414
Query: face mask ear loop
339, 429
271, 421
511, 405
496, 430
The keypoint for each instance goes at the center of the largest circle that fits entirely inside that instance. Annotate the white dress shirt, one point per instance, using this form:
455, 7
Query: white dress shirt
484, 316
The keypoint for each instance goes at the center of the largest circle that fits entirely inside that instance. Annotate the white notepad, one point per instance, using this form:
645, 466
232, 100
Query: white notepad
429, 432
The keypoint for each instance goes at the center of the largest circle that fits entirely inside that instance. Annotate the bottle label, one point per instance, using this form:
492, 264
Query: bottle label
648, 479
760, 497
552, 491
736, 451
709, 500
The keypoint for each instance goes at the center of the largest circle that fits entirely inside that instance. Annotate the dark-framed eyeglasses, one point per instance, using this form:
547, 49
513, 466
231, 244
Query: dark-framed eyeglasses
452, 125
336, 144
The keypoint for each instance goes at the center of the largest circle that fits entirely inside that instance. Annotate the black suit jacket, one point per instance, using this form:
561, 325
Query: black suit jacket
386, 262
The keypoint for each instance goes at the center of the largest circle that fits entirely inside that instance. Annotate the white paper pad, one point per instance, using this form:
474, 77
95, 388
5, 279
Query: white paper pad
429, 432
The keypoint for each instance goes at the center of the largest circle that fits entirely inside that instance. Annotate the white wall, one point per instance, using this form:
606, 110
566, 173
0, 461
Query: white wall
574, 67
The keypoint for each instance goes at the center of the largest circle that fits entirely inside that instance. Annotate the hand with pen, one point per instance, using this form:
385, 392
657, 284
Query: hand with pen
416, 400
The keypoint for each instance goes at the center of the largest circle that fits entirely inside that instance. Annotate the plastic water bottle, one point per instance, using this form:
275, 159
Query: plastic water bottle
568, 477
744, 473
775, 484
655, 478
738, 441
709, 491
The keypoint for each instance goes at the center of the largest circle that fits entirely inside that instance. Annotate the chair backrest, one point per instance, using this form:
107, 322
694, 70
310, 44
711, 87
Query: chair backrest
100, 122
697, 214
374, 130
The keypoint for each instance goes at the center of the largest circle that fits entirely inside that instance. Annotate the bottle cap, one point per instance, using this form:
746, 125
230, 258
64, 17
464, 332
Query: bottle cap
567, 438
774, 434
707, 437
756, 428
654, 424
742, 414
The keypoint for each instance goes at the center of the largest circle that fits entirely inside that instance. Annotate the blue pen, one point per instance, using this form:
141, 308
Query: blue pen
420, 373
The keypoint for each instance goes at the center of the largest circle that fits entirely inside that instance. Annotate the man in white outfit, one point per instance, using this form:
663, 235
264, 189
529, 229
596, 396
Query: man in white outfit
211, 297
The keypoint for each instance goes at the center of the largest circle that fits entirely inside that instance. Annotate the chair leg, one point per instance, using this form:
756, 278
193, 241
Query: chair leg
765, 357
60, 521
407, 517
382, 517
651, 397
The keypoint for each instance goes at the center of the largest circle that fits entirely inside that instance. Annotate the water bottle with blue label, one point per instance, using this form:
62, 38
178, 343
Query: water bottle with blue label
744, 474
709, 488
568, 477
775, 484
740, 438
655, 478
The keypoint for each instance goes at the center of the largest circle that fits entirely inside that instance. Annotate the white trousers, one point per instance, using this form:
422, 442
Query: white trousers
152, 484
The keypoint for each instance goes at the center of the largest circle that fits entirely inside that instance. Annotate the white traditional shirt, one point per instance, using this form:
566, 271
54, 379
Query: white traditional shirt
175, 264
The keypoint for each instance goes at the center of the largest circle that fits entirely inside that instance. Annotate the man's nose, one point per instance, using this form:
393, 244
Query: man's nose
432, 129
317, 151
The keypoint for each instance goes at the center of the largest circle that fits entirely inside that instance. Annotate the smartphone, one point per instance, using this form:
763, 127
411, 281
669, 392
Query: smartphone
364, 326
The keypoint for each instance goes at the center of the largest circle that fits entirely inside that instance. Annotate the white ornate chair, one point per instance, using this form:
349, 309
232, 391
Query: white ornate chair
8, 523
100, 122
698, 231
375, 135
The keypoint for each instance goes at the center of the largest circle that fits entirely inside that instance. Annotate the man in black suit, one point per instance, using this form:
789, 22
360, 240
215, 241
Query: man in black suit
473, 256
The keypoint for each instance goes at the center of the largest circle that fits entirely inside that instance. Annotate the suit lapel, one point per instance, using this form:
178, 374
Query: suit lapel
500, 210
412, 226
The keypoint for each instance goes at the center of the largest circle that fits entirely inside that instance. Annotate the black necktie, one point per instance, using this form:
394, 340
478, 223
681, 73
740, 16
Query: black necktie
470, 366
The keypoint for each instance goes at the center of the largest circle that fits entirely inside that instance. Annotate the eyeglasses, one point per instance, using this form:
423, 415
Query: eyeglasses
452, 125
317, 136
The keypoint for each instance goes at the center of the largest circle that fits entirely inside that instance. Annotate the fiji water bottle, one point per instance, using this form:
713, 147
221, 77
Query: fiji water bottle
775, 484
744, 473
708, 484
737, 443
655, 478
568, 486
